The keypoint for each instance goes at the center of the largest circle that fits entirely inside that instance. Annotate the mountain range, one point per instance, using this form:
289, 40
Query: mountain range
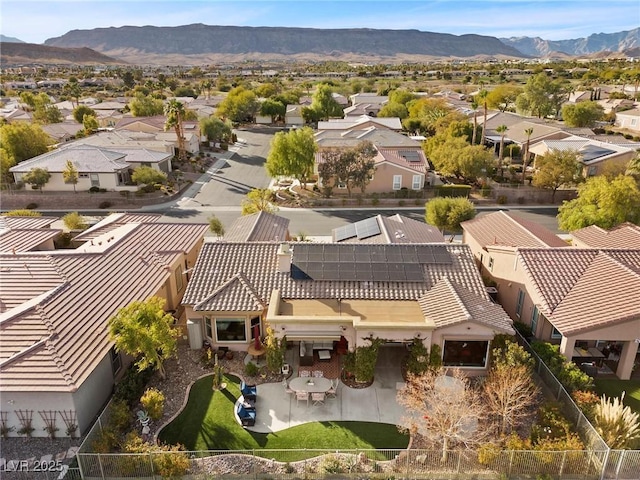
199, 44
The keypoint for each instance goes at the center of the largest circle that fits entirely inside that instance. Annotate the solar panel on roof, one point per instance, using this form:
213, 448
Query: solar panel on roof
345, 232
367, 228
591, 152
410, 155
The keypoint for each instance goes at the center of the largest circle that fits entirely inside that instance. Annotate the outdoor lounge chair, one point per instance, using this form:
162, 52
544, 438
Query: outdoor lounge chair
249, 392
333, 390
305, 373
318, 373
247, 417
287, 389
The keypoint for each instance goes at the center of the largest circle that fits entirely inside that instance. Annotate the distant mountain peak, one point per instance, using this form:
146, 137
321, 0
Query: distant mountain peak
4, 38
595, 43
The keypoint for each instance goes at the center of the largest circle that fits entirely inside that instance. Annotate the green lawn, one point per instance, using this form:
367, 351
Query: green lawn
208, 423
615, 387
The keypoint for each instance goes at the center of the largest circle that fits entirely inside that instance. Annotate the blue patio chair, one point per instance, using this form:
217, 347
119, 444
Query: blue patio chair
247, 417
250, 392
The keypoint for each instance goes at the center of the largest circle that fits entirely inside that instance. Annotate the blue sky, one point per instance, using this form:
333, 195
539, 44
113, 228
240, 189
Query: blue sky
35, 21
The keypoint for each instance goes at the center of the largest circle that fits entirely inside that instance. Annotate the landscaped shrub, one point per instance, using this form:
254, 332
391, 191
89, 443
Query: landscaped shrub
501, 200
105, 441
132, 384
251, 369
104, 204
153, 402
586, 401
94, 189
523, 329
567, 373
119, 416
451, 190
418, 358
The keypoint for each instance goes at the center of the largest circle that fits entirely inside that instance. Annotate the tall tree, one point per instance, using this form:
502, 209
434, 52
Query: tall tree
453, 156
73, 90
536, 98
525, 157
555, 169
448, 213
292, 154
145, 331
602, 202
258, 200
482, 97
70, 174
324, 104
240, 105
215, 129
351, 167
37, 177
20, 141
145, 106
474, 106
447, 412
273, 108
582, 114
80, 111
174, 111
502, 130
503, 97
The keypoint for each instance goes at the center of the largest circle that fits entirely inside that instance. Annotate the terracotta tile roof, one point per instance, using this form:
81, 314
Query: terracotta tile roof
26, 222
583, 289
402, 156
398, 229
86, 158
72, 295
626, 235
113, 221
608, 292
219, 262
23, 240
508, 229
449, 304
258, 227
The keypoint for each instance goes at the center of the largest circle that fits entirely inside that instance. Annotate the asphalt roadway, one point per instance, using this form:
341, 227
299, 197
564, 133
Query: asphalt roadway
221, 190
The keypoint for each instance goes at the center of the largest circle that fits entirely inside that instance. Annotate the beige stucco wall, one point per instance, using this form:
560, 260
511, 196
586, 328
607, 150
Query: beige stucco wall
57, 184
36, 401
93, 394
383, 178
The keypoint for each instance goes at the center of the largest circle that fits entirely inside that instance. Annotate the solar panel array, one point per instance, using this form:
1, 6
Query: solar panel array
592, 152
410, 155
376, 263
362, 229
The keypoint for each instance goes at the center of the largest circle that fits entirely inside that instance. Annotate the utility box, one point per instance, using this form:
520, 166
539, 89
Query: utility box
195, 334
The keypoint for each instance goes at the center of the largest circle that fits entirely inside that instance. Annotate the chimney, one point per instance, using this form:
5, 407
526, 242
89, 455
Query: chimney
284, 258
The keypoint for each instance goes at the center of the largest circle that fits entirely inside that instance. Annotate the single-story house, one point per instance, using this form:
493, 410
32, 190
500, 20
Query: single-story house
360, 123
341, 292
625, 235
629, 119
258, 227
594, 155
56, 358
293, 116
96, 166
565, 295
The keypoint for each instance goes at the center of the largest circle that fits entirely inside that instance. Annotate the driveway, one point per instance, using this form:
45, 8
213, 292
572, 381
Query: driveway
237, 171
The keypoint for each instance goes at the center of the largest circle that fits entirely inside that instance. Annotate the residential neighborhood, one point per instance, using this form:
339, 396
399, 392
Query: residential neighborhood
145, 310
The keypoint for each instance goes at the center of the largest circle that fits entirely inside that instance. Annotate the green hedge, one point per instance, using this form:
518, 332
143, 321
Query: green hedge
453, 191
568, 373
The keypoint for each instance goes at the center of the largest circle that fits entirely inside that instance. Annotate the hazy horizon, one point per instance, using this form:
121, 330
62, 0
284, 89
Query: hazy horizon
35, 21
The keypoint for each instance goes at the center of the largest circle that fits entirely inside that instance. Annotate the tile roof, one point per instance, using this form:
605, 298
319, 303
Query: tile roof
23, 240
354, 122
380, 137
112, 222
581, 289
398, 229
86, 158
26, 222
626, 235
412, 158
449, 304
64, 299
508, 229
219, 262
258, 227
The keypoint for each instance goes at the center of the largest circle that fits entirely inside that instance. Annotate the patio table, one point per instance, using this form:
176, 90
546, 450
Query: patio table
301, 384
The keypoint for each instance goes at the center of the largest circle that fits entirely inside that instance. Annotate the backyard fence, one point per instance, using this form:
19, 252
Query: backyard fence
398, 464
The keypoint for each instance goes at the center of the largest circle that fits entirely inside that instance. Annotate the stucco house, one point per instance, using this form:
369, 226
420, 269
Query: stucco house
155, 125
56, 359
393, 229
594, 156
629, 119
625, 235
96, 166
570, 296
321, 293
293, 116
361, 122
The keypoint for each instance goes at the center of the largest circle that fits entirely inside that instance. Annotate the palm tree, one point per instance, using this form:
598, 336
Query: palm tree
502, 130
474, 105
525, 157
206, 86
483, 97
174, 111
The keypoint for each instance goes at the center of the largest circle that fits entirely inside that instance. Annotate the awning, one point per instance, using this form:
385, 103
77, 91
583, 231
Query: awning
298, 335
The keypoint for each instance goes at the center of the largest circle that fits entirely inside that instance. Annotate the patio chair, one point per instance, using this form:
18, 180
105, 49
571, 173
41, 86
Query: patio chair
318, 398
250, 392
287, 389
305, 373
333, 390
302, 396
318, 373
247, 417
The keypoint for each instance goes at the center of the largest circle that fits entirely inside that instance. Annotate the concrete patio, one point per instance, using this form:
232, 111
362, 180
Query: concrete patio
277, 410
